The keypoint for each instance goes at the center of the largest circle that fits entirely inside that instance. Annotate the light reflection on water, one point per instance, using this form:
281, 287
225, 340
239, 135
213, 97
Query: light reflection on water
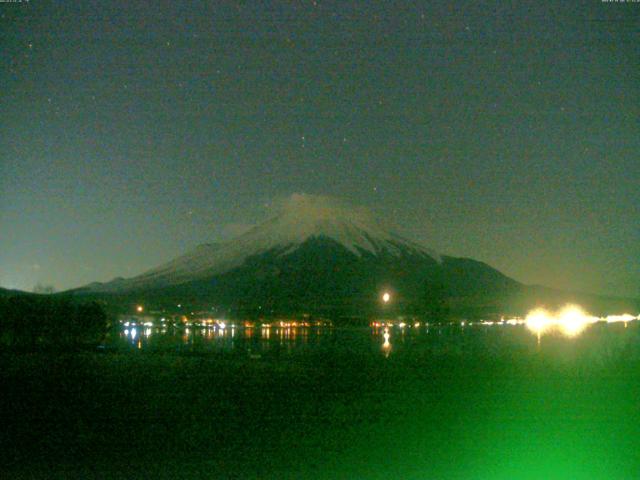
386, 345
385, 341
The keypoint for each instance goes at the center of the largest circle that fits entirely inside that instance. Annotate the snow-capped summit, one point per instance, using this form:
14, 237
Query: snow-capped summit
300, 218
305, 216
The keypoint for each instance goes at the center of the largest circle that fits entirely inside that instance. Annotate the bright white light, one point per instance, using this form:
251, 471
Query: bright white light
573, 320
139, 308
570, 321
539, 321
625, 317
386, 297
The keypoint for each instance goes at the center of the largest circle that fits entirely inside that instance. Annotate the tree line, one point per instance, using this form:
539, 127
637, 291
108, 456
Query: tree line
33, 321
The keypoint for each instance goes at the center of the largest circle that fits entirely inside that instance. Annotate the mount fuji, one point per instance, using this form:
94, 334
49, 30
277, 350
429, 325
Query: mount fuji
319, 256
302, 218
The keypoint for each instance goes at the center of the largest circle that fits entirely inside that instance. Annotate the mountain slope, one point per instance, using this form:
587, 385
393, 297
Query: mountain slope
321, 257
323, 277
303, 217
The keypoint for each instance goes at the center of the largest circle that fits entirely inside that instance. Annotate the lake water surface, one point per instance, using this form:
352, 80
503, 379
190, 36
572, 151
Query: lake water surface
473, 402
598, 342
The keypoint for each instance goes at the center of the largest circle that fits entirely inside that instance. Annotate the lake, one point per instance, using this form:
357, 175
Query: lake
485, 402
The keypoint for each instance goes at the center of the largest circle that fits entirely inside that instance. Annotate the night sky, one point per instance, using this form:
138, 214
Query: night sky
509, 133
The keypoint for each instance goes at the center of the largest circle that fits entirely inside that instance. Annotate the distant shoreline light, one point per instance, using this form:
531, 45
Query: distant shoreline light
571, 320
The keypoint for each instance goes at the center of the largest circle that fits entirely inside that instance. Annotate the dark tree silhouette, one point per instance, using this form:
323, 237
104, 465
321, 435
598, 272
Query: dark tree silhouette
29, 321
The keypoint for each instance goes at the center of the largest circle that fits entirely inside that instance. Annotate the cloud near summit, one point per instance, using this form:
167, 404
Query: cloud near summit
310, 206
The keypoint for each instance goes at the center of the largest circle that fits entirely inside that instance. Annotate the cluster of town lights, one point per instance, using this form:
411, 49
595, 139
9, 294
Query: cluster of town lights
184, 321
569, 321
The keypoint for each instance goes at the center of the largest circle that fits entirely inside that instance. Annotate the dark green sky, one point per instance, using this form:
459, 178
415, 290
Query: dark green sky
505, 132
